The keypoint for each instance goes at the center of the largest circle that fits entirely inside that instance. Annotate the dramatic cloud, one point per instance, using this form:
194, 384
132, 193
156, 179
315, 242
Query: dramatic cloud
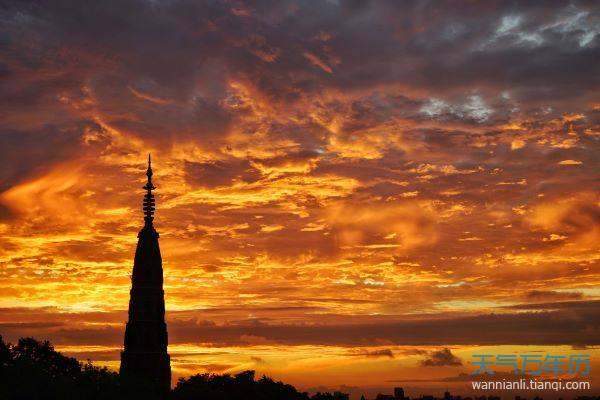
441, 358
336, 179
375, 353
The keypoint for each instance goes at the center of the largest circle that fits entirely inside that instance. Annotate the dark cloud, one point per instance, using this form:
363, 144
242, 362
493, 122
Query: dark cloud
582, 305
6, 326
552, 327
545, 295
563, 323
160, 49
385, 353
441, 358
220, 173
25, 152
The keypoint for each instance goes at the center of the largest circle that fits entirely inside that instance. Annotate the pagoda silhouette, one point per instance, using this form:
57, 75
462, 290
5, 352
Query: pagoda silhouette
144, 359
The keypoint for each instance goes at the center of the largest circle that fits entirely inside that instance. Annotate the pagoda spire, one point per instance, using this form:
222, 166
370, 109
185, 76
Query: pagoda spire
144, 358
149, 203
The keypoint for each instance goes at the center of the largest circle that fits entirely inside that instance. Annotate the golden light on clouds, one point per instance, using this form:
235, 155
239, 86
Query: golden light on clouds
334, 202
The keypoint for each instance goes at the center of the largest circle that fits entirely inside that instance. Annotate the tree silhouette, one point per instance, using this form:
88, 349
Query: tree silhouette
240, 386
33, 370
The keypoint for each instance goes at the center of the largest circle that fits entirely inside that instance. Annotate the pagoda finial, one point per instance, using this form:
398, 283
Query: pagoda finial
149, 196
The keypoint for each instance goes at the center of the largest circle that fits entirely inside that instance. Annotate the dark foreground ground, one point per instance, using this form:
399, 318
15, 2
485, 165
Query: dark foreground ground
33, 370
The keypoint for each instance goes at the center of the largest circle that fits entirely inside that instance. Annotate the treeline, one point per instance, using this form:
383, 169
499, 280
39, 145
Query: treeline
33, 370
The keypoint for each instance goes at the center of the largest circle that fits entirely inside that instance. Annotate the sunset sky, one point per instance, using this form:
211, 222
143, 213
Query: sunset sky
344, 188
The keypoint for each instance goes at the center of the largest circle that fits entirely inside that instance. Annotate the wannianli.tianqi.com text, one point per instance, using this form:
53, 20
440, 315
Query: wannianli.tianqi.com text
531, 384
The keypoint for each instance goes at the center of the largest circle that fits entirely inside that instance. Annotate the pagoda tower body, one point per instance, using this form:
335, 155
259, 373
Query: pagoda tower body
144, 359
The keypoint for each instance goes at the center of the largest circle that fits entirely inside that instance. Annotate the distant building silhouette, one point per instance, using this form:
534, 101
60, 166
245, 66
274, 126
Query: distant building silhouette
398, 395
385, 397
144, 358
